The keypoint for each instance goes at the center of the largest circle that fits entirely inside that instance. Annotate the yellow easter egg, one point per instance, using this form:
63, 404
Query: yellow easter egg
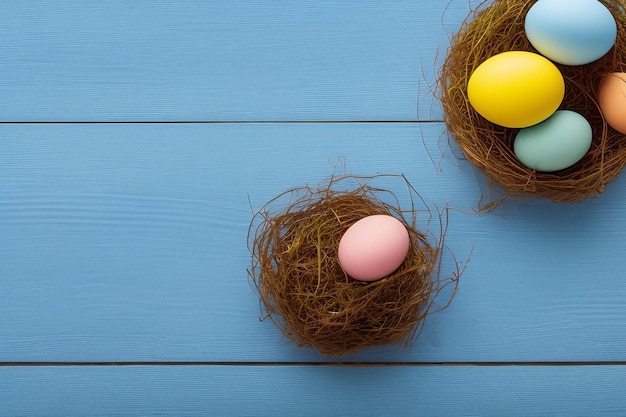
516, 89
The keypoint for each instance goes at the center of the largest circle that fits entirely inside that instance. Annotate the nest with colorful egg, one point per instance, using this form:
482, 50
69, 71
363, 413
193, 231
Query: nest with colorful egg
303, 285
592, 101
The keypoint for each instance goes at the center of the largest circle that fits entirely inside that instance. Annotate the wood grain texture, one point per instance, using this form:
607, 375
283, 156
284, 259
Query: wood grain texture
128, 243
221, 60
313, 391
125, 243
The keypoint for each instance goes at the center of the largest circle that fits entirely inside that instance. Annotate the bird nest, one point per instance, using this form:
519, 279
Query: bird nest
304, 291
499, 27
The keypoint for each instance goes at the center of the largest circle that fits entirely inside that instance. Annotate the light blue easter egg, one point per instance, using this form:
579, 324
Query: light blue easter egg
571, 32
554, 144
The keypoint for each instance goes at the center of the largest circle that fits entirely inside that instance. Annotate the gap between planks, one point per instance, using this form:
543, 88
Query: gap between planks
320, 364
210, 122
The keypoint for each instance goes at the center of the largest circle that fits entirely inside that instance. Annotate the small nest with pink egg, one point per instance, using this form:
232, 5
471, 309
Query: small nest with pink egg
302, 287
498, 26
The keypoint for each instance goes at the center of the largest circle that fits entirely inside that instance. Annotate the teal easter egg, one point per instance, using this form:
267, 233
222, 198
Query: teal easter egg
554, 144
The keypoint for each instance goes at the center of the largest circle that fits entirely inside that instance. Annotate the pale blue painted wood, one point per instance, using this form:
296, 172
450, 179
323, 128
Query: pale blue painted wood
221, 60
313, 391
128, 243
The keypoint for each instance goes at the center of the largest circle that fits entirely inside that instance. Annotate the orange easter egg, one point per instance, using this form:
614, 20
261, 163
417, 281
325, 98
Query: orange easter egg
612, 100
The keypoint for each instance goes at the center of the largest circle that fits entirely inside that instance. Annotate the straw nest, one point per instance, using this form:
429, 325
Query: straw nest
303, 290
497, 27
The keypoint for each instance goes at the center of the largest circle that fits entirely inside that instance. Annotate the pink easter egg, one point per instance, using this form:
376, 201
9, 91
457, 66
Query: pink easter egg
373, 247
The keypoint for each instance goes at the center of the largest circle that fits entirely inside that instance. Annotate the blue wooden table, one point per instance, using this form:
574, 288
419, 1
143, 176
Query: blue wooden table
136, 140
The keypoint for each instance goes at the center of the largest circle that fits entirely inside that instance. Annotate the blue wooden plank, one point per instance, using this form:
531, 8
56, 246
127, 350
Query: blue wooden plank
313, 391
221, 60
128, 243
